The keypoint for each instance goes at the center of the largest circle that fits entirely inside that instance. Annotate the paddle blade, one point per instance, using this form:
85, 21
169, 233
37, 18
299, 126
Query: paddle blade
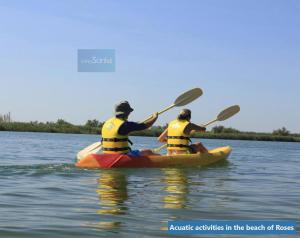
91, 149
188, 97
228, 112
156, 150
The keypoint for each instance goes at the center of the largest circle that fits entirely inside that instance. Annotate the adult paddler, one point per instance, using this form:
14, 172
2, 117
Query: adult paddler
177, 135
115, 131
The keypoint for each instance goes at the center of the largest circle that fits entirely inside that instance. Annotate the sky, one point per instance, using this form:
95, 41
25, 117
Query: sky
239, 52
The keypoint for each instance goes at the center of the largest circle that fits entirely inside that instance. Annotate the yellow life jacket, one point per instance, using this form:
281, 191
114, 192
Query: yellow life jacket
112, 142
177, 139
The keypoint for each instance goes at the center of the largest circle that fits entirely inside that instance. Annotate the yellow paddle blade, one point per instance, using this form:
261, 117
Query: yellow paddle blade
228, 112
188, 97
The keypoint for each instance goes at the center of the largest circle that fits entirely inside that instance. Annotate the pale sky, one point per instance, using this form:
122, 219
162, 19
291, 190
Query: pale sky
238, 52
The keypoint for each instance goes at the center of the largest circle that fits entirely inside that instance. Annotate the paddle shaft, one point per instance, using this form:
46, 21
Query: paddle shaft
160, 112
210, 122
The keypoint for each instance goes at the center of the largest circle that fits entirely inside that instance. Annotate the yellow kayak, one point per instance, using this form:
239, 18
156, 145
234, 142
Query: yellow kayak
154, 161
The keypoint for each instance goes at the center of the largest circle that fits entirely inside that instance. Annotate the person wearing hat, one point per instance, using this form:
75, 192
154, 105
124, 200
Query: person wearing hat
115, 131
177, 135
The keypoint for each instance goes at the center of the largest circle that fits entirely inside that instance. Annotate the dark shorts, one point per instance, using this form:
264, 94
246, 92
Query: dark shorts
193, 149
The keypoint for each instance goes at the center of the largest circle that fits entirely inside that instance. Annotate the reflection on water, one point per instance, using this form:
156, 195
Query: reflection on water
112, 191
176, 187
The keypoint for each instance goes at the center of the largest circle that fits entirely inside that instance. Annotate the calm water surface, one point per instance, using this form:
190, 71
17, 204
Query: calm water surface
42, 194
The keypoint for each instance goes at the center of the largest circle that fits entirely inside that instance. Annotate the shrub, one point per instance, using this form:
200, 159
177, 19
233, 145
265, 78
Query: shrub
281, 132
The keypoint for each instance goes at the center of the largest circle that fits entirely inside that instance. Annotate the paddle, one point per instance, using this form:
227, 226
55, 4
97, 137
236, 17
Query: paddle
182, 100
222, 116
225, 114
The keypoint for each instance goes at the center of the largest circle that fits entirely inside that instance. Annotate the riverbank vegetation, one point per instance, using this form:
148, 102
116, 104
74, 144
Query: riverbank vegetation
94, 127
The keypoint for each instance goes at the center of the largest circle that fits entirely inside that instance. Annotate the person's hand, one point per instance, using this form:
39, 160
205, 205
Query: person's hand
155, 115
149, 122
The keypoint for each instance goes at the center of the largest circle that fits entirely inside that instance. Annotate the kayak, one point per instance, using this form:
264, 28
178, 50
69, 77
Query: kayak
154, 161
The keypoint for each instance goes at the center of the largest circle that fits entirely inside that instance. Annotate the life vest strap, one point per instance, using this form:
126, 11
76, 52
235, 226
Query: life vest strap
116, 149
178, 145
179, 137
117, 140
114, 139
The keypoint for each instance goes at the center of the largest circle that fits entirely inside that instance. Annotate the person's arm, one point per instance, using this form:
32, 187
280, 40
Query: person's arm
163, 136
129, 126
152, 120
191, 128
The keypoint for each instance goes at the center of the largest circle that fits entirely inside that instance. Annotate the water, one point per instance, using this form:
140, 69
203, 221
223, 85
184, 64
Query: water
43, 195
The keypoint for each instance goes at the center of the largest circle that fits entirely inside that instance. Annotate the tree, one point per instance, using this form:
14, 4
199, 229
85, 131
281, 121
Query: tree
231, 130
281, 132
222, 129
217, 129
92, 123
62, 122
